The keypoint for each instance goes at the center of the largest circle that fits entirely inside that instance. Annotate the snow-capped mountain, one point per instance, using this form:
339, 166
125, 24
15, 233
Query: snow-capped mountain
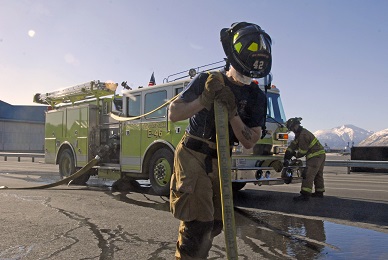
379, 138
342, 136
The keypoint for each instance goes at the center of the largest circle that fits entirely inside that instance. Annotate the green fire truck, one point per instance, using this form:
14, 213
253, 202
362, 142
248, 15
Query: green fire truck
135, 139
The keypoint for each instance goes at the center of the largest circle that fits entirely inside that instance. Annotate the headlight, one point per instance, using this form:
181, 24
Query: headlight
237, 149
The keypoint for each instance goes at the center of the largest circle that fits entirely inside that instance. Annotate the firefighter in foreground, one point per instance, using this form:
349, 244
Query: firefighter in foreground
306, 144
195, 189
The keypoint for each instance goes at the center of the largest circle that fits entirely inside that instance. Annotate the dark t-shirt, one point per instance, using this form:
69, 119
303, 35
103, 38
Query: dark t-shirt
250, 100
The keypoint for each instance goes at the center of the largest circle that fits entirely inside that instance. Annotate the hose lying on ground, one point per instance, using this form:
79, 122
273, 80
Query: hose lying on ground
66, 180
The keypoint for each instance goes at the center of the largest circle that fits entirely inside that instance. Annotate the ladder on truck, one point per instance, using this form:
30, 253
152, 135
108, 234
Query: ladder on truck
91, 89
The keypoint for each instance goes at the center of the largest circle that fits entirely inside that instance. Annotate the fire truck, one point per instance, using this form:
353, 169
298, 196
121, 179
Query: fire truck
132, 134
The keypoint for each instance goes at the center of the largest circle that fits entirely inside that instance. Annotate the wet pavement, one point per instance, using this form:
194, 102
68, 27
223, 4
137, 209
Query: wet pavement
274, 235
267, 226
278, 236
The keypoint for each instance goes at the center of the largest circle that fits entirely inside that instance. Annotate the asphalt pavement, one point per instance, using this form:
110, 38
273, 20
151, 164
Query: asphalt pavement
94, 222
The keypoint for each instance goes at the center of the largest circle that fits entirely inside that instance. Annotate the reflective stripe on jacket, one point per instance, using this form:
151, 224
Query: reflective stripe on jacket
305, 144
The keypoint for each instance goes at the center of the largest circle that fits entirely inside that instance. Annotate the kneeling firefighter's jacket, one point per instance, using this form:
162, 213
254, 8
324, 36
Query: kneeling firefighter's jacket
304, 144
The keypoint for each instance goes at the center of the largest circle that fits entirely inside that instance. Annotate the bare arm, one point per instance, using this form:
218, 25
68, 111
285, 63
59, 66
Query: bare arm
180, 110
247, 136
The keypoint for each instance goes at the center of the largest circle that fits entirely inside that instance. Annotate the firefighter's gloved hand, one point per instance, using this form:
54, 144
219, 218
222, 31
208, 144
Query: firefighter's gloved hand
226, 96
214, 83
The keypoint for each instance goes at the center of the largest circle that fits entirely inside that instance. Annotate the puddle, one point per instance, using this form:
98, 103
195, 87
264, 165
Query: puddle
357, 242
277, 236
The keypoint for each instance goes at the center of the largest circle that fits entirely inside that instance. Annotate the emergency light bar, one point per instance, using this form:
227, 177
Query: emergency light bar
91, 89
282, 136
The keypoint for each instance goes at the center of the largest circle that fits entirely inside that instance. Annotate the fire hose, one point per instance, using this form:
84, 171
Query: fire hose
92, 162
224, 170
66, 180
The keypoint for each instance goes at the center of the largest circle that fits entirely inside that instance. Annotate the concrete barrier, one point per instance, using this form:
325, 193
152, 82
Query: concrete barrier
369, 153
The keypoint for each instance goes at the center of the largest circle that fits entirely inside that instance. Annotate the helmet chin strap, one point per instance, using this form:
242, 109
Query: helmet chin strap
239, 77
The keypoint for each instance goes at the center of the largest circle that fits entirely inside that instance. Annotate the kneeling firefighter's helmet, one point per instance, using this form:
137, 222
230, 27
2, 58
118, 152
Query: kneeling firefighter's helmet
248, 49
292, 122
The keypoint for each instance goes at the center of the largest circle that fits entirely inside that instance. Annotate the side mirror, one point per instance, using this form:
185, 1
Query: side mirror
267, 81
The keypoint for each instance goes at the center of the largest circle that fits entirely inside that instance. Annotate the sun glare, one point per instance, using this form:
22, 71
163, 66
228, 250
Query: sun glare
31, 33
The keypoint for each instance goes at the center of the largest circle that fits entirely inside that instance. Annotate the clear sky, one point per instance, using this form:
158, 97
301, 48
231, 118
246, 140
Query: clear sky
330, 58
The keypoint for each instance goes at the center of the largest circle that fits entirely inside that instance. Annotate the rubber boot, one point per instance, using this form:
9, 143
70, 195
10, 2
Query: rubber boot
302, 197
317, 194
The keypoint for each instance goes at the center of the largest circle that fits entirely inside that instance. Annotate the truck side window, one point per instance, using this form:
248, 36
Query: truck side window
178, 90
134, 105
275, 108
154, 100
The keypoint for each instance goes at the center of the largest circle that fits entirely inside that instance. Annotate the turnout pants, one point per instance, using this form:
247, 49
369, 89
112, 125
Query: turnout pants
313, 175
196, 201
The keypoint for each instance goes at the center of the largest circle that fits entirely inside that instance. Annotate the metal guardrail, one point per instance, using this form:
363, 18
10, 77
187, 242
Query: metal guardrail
20, 155
334, 163
357, 163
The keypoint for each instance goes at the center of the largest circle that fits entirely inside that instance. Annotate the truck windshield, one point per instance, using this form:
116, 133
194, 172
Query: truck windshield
275, 108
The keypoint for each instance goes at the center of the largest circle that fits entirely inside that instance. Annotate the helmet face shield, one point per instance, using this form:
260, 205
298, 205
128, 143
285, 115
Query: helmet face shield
248, 49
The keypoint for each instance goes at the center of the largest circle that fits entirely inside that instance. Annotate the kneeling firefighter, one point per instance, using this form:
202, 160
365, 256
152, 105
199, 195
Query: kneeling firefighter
195, 197
306, 144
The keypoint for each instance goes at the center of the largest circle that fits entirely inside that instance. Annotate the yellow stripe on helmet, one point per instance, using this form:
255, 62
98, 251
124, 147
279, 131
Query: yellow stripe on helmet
253, 47
238, 47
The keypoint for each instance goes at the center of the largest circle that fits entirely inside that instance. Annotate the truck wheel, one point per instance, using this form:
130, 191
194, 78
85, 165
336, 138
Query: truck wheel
67, 167
236, 186
160, 171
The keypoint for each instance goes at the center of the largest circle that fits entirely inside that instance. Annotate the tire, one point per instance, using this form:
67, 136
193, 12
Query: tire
236, 186
160, 171
67, 168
